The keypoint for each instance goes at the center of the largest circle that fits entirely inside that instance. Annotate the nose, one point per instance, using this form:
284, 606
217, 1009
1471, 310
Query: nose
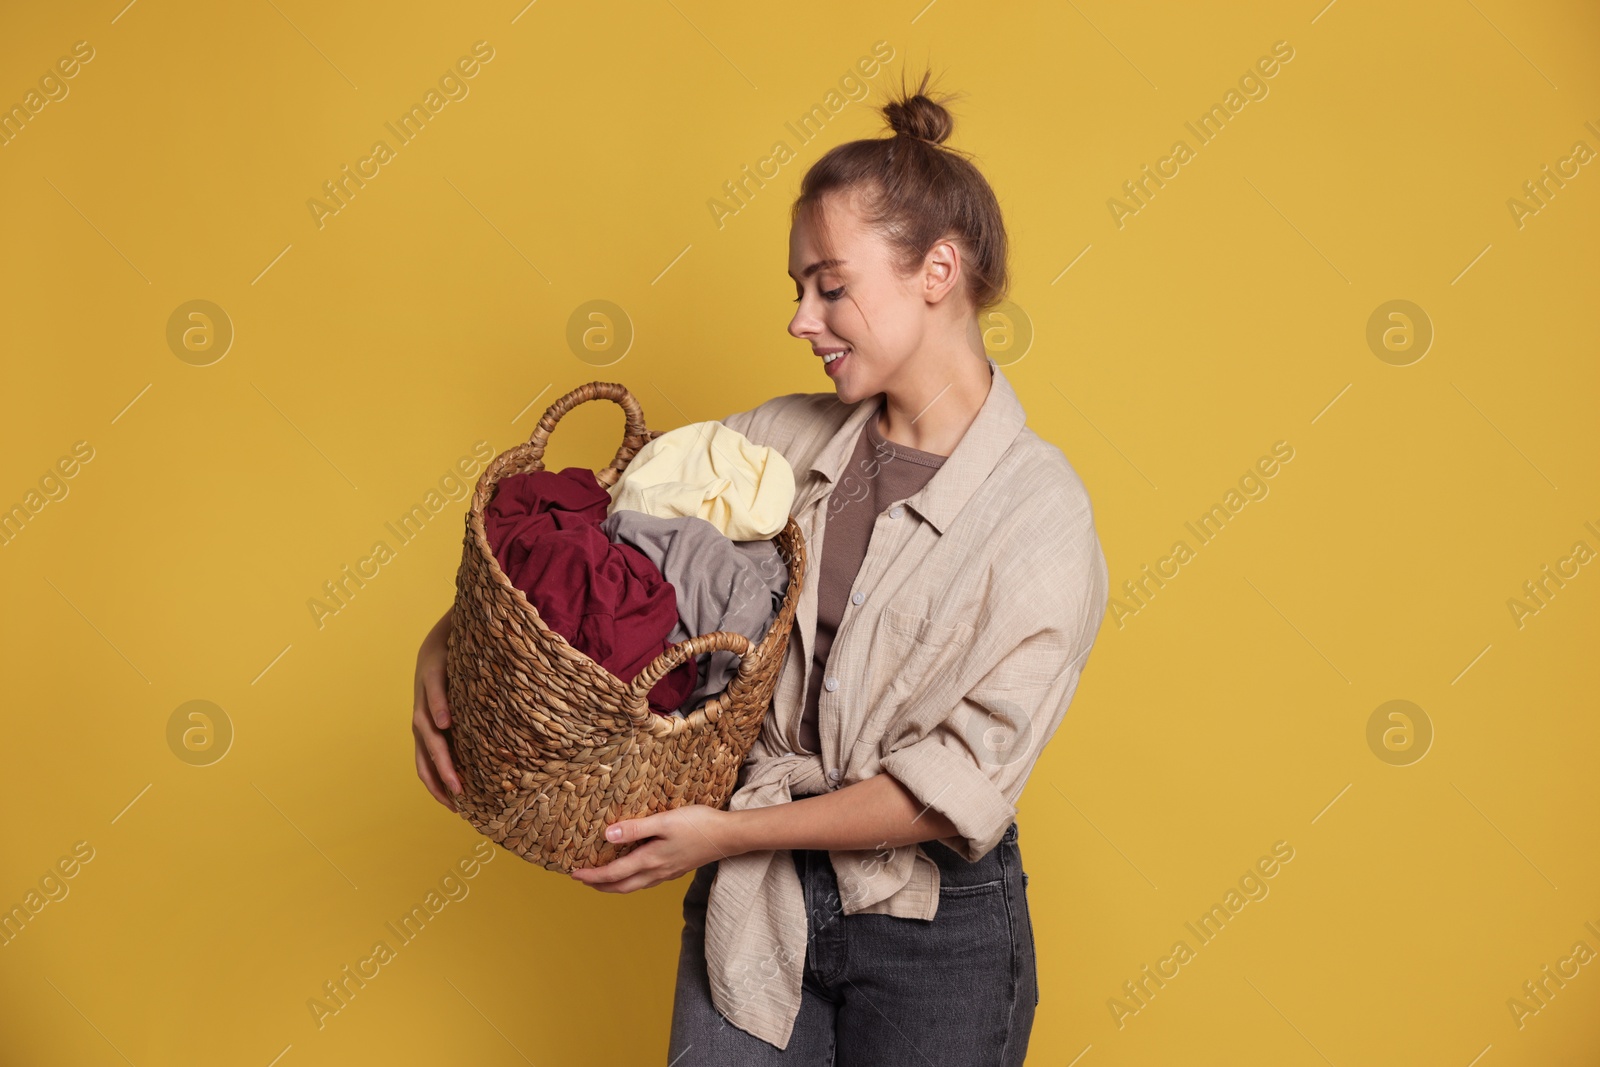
804, 324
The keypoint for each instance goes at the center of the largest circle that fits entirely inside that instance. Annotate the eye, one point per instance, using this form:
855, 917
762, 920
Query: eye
830, 295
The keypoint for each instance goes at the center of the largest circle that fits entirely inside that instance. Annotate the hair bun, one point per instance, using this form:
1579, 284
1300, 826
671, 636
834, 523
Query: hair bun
918, 115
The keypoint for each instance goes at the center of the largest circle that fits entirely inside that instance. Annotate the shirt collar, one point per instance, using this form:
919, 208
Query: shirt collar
996, 426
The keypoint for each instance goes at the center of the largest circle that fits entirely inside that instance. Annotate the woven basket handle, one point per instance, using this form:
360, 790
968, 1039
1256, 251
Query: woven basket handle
637, 704
634, 436
529, 456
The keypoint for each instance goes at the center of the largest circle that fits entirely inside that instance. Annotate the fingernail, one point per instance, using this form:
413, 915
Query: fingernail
614, 833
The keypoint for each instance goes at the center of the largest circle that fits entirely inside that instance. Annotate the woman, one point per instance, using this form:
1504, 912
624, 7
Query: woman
862, 900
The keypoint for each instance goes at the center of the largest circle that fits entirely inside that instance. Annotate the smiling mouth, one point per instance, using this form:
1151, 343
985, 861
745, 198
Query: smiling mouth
834, 357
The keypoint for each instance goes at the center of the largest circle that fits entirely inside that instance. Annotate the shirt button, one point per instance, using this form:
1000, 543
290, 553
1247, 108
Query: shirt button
896, 511
830, 684
858, 598
833, 776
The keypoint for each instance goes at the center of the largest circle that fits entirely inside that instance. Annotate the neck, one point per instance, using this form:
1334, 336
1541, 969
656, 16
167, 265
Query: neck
931, 410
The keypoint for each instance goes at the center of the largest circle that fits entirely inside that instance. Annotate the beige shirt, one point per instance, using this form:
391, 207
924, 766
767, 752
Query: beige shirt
880, 473
971, 620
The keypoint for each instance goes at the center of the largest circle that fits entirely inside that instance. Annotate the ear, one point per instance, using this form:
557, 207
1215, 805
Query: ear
941, 270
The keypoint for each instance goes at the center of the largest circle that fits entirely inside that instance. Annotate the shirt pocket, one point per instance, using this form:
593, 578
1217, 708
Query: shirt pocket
907, 651
916, 645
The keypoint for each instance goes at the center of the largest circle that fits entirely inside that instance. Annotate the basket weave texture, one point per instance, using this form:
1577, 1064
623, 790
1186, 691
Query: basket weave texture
550, 746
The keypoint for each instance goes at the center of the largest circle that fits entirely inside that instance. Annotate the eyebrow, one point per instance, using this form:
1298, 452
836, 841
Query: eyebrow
818, 265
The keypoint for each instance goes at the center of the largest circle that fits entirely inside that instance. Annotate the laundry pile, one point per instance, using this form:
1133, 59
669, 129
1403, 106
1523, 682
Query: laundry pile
680, 546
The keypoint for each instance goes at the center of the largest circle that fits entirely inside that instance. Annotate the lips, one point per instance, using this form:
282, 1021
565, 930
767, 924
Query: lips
832, 368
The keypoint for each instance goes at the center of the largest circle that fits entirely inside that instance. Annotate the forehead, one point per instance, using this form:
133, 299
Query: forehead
853, 241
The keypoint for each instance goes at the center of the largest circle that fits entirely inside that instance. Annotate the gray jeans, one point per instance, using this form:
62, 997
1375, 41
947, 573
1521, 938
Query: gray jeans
957, 991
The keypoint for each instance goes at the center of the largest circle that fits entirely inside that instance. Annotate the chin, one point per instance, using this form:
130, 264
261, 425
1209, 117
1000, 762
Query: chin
847, 393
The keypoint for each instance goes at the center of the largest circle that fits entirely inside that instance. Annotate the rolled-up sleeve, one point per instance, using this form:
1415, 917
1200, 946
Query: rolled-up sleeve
971, 764
972, 767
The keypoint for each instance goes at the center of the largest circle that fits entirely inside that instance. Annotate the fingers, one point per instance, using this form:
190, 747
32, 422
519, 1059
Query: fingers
626, 830
621, 876
429, 739
430, 713
638, 881
419, 697
439, 750
430, 778
610, 873
433, 683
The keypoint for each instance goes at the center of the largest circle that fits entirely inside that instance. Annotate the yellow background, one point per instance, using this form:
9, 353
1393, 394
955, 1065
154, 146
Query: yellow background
432, 312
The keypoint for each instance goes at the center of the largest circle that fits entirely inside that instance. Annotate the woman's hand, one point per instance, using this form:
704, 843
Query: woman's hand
430, 716
679, 841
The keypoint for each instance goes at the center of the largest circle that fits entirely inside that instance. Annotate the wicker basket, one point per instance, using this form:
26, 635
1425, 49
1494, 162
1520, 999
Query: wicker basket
550, 746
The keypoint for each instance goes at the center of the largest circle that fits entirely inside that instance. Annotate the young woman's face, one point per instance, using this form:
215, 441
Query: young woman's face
856, 303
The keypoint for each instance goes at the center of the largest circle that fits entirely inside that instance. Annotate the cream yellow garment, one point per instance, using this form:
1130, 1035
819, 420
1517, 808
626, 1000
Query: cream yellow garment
710, 471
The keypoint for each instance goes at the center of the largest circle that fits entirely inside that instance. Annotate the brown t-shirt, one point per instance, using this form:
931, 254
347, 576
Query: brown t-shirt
879, 472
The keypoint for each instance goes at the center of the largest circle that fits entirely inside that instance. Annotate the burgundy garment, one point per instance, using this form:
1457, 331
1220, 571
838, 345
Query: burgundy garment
524, 506
607, 599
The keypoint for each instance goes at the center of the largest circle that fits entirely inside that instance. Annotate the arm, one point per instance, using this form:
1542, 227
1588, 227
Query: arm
948, 773
872, 813
957, 755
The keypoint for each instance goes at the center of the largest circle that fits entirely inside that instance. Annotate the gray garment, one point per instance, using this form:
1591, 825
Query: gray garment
721, 584
922, 1009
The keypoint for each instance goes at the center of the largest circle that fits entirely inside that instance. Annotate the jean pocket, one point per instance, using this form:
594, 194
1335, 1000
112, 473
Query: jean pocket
968, 936
956, 871
970, 929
